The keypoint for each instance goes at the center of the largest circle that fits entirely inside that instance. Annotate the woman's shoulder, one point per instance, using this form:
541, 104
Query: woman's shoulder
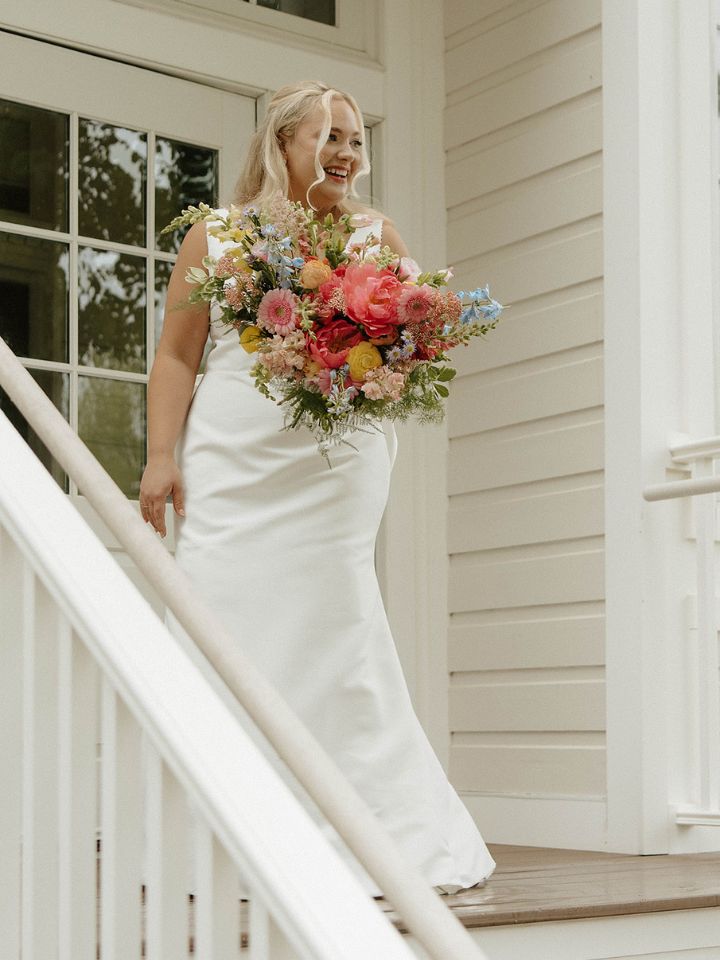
391, 238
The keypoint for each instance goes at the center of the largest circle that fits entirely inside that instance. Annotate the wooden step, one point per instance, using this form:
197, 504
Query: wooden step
533, 884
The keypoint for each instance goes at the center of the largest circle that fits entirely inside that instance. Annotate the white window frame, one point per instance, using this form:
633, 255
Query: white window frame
355, 35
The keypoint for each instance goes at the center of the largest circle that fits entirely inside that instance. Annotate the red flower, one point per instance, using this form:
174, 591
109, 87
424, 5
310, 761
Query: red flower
371, 297
333, 343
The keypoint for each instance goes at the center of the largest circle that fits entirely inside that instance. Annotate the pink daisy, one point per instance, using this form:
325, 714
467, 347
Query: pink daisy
415, 303
276, 312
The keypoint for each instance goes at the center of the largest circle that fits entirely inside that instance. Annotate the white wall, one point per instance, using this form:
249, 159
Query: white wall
523, 135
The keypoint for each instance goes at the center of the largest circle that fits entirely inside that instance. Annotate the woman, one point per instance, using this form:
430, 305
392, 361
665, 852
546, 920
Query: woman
278, 543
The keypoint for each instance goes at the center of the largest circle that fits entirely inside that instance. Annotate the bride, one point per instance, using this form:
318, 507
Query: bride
280, 545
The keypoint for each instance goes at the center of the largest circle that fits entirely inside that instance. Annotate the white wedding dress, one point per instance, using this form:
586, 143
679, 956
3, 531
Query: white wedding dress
282, 548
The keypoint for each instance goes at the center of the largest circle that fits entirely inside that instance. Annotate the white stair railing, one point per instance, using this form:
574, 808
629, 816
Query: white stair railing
700, 456
186, 801
424, 914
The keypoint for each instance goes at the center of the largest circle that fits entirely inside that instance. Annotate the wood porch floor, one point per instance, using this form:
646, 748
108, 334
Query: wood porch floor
542, 883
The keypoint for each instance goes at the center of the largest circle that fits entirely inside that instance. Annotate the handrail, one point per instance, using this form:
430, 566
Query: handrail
192, 729
423, 911
682, 488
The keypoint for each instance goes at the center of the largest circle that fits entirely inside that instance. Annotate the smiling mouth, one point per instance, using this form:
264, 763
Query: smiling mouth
336, 178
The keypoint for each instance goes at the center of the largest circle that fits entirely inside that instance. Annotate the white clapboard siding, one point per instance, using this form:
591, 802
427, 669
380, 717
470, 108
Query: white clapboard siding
523, 138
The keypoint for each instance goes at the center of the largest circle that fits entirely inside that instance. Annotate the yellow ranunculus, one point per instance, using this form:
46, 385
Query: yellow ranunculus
315, 273
361, 358
250, 339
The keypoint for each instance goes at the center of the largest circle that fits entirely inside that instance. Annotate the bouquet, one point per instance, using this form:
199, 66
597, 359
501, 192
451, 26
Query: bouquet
342, 337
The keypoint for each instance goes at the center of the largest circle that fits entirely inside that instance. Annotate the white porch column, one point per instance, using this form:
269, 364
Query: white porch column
413, 553
659, 123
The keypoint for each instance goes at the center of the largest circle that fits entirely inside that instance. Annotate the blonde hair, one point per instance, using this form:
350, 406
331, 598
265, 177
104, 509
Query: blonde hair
264, 173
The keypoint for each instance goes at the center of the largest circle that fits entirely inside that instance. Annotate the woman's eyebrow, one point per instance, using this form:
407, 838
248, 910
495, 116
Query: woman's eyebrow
356, 133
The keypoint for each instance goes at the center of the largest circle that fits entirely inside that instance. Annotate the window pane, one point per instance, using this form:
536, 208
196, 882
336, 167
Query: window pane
56, 386
111, 421
33, 166
111, 310
34, 297
111, 183
323, 11
184, 176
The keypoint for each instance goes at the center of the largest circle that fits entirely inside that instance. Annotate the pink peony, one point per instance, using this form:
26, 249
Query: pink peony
371, 296
277, 312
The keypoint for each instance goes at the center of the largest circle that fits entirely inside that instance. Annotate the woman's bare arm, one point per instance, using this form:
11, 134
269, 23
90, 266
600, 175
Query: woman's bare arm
171, 382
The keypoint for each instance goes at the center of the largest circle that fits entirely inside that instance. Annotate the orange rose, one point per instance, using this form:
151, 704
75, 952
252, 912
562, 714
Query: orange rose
314, 273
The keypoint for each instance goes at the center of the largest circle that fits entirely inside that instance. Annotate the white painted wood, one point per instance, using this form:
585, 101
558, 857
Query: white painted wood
523, 134
120, 827
476, 406
42, 652
563, 771
526, 706
30, 854
667, 935
160, 41
169, 845
571, 73
573, 823
535, 153
569, 577
528, 30
11, 741
78, 734
536, 519
552, 324
524, 458
658, 384
541, 640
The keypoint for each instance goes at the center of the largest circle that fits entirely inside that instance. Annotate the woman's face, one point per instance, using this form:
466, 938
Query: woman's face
341, 151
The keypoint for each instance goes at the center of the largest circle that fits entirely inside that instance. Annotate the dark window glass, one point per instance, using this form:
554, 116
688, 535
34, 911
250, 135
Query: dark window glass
185, 176
322, 11
34, 149
34, 297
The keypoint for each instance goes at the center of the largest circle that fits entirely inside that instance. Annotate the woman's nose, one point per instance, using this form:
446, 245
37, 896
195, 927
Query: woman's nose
345, 150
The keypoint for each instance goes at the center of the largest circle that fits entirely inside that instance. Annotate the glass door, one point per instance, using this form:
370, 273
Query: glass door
95, 158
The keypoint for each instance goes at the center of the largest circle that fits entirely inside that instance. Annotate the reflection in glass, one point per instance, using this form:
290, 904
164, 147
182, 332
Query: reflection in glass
323, 11
111, 310
111, 183
184, 176
111, 421
56, 386
34, 177
34, 297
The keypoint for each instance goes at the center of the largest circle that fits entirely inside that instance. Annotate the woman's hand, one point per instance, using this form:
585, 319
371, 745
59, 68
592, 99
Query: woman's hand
160, 478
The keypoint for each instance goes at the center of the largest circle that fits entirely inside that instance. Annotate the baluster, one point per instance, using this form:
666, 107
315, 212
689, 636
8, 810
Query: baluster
167, 868
120, 829
11, 742
708, 692
217, 901
78, 734
42, 677
267, 938
28, 781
